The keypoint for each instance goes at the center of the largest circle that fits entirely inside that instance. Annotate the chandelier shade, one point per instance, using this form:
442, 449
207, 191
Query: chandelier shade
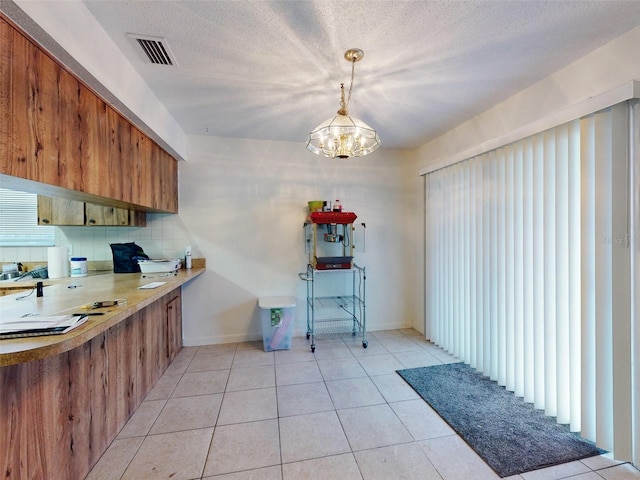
342, 135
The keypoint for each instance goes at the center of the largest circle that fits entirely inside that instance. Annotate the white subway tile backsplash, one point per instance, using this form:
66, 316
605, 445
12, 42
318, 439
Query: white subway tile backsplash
163, 237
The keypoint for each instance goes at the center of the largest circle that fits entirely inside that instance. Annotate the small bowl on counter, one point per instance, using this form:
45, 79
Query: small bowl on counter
159, 266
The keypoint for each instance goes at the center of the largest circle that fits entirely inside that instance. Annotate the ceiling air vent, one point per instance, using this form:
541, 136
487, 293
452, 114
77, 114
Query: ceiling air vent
154, 49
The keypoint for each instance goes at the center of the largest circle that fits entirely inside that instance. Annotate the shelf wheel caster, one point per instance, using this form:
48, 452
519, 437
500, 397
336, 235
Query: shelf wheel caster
308, 335
365, 344
313, 348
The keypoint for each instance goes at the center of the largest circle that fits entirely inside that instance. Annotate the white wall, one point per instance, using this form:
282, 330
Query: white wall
602, 70
244, 202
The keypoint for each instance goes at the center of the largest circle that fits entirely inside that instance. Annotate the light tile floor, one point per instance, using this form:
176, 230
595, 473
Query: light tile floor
236, 412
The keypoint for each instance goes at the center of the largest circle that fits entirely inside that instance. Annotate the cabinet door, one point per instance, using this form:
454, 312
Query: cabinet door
112, 216
100, 215
137, 218
174, 327
59, 211
151, 353
6, 38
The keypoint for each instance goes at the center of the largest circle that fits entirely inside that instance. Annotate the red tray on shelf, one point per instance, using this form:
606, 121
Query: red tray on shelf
333, 263
333, 217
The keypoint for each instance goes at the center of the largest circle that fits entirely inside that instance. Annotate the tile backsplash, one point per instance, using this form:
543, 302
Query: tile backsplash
164, 237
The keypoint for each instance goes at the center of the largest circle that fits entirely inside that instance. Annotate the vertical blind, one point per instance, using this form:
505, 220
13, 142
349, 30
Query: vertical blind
634, 229
528, 276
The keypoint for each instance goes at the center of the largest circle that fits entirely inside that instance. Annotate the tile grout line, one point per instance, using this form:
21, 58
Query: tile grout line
359, 361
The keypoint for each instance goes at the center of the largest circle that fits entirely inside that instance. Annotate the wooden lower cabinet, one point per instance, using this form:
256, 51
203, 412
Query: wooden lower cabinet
174, 327
58, 415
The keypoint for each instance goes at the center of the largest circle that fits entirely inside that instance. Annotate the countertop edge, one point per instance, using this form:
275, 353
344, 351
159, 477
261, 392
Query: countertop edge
90, 330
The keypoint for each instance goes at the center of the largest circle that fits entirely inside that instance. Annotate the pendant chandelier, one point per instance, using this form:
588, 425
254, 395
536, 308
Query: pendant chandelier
344, 136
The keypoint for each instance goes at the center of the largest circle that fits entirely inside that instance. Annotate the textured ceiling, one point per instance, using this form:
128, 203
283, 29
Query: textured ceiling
272, 69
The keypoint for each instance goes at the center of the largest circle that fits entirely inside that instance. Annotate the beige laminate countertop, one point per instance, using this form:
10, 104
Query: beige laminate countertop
69, 295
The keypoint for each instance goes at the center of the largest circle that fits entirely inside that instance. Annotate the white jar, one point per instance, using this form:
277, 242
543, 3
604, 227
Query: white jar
78, 266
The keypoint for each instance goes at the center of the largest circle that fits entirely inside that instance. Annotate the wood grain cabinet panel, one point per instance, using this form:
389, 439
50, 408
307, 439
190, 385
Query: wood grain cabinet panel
99, 215
23, 158
34, 409
6, 38
83, 454
60, 211
58, 415
173, 327
63, 212
120, 155
57, 131
127, 389
68, 163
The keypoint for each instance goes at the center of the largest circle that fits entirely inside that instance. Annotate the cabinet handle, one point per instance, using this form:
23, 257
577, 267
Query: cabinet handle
44, 220
92, 221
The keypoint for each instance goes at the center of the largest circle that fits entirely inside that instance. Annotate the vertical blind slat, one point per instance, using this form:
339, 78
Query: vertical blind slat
562, 248
538, 272
588, 277
510, 294
620, 288
574, 295
549, 274
528, 195
519, 272
603, 286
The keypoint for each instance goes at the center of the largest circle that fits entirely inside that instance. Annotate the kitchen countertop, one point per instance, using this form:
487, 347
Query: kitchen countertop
23, 283
69, 295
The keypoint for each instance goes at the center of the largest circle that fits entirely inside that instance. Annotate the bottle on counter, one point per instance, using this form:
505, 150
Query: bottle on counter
187, 257
337, 206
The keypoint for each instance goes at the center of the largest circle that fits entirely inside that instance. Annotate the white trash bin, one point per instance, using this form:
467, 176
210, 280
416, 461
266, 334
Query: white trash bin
277, 318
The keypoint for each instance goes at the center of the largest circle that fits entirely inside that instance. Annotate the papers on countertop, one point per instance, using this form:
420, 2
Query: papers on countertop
152, 285
36, 326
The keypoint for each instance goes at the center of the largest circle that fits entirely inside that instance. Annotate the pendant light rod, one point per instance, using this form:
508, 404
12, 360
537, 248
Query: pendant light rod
352, 55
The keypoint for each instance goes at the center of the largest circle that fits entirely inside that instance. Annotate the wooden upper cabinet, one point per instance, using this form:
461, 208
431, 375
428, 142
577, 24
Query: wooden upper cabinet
60, 211
63, 212
116, 217
57, 131
99, 215
120, 150
6, 64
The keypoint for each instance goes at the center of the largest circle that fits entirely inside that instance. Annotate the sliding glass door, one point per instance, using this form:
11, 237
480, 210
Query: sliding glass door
529, 273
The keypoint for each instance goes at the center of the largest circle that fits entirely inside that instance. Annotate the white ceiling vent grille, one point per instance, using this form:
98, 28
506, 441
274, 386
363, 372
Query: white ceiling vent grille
154, 49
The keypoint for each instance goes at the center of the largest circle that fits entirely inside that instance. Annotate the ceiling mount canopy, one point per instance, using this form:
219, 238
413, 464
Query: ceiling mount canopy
342, 135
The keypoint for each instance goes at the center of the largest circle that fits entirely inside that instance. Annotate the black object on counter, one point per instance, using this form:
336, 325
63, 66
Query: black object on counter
39, 289
125, 257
